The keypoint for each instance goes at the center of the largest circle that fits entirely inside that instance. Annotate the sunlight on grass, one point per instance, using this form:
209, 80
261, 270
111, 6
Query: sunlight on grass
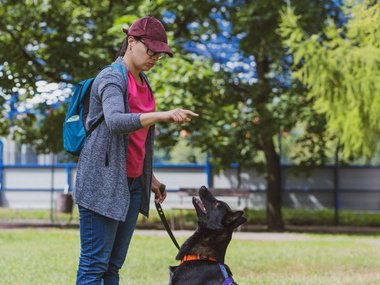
34, 256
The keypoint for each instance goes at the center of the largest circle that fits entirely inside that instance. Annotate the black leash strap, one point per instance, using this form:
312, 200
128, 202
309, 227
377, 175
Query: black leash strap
163, 219
165, 223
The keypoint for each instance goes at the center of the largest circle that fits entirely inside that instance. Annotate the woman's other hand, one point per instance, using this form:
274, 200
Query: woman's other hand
159, 190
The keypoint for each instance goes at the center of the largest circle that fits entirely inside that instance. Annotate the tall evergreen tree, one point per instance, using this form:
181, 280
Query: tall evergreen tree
341, 68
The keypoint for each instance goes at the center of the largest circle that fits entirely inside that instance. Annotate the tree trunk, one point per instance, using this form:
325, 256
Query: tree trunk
274, 199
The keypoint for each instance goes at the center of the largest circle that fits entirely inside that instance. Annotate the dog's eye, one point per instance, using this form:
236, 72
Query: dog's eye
217, 205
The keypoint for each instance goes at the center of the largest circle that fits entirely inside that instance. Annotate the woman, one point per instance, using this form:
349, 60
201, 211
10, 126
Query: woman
114, 177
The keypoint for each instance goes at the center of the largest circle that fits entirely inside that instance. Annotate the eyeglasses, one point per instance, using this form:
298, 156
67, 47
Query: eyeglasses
153, 54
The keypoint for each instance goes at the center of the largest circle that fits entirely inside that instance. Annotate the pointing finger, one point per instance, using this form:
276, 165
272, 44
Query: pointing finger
188, 112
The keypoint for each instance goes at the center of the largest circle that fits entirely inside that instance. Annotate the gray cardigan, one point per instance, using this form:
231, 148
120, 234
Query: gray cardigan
101, 180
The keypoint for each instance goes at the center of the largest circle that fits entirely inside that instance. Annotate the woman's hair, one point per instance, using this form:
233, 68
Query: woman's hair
123, 48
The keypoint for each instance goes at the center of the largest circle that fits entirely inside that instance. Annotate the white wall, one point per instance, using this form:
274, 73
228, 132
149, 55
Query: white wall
359, 187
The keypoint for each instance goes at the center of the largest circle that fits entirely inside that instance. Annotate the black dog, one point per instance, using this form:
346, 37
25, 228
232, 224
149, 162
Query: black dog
202, 255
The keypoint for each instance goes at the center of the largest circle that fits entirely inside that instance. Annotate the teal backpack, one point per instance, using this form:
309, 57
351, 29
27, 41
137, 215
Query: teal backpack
74, 126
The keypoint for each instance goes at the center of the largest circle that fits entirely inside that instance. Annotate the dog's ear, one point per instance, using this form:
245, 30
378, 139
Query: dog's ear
234, 219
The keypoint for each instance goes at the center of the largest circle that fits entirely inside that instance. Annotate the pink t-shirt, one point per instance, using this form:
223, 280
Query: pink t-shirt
140, 100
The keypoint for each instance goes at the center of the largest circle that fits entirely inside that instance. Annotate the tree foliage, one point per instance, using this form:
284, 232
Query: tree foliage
341, 68
240, 120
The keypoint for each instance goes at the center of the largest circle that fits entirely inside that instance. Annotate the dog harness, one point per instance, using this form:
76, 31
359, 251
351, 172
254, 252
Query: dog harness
228, 280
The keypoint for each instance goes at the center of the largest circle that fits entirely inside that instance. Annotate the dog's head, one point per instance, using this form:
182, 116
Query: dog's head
214, 214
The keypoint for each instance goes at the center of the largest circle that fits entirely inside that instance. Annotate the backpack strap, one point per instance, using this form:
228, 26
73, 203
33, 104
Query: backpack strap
86, 84
95, 125
118, 66
100, 120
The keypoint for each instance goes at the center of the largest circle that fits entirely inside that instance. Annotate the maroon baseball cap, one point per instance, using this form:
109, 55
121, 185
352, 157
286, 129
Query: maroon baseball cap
153, 33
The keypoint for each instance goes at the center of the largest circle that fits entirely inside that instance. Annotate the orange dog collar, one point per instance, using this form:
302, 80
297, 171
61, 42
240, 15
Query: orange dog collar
197, 257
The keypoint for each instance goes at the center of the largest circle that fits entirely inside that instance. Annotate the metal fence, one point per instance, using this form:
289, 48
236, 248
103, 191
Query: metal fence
346, 188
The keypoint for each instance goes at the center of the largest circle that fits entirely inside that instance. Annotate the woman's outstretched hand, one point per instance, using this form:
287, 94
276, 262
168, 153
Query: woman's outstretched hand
178, 116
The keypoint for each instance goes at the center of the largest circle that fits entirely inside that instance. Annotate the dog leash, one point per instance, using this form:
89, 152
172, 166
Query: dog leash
163, 218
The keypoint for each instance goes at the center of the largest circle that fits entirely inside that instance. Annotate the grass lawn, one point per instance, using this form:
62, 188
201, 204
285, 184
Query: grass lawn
50, 257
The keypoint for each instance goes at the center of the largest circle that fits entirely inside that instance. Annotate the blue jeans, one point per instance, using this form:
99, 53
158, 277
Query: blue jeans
105, 242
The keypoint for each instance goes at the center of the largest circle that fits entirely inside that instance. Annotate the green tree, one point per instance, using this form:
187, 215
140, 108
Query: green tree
341, 68
66, 41
240, 122
62, 42
54, 41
